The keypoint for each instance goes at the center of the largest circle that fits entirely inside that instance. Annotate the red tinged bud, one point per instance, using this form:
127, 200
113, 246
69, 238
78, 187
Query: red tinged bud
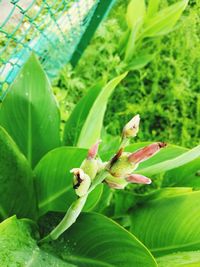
92, 152
146, 152
138, 179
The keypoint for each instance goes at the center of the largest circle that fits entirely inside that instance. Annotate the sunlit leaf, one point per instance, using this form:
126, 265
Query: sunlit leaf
164, 21
53, 180
17, 194
152, 7
29, 112
168, 223
90, 124
135, 12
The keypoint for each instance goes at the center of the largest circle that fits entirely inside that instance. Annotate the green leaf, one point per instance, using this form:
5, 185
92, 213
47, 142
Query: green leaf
135, 12
87, 118
180, 259
140, 62
18, 248
94, 240
17, 194
130, 47
186, 175
164, 21
168, 223
153, 6
30, 114
79, 115
53, 180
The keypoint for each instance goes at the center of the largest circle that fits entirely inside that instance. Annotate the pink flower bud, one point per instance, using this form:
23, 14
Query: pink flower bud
92, 152
138, 179
146, 152
132, 127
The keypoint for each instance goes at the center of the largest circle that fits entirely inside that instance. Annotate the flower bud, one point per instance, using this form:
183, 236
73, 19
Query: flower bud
81, 182
146, 152
90, 167
132, 127
122, 167
116, 182
92, 152
138, 179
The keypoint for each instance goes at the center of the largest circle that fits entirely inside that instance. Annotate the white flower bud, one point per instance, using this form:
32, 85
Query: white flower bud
81, 182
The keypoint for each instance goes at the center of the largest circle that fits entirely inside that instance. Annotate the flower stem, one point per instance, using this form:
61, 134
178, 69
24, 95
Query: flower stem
73, 211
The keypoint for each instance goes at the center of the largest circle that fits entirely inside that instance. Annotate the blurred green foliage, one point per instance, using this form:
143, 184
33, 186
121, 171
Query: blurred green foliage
165, 93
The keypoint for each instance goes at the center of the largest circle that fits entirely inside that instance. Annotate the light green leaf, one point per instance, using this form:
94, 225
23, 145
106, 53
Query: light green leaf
75, 123
186, 175
153, 6
130, 47
164, 21
168, 223
92, 127
53, 180
18, 248
94, 240
180, 259
135, 12
29, 112
141, 61
17, 194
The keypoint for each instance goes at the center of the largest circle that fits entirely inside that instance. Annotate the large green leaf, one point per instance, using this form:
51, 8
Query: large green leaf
29, 112
153, 6
17, 194
85, 123
168, 223
18, 248
53, 180
186, 175
94, 240
164, 21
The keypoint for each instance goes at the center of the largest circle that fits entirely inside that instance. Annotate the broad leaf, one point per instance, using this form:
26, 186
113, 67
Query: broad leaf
135, 12
29, 112
53, 180
168, 223
180, 259
94, 240
85, 123
18, 248
186, 175
17, 194
164, 21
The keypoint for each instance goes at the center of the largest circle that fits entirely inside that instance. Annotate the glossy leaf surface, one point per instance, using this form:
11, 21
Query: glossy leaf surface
17, 194
30, 114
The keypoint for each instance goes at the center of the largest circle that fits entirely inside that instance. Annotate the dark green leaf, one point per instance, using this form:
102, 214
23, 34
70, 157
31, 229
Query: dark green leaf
29, 112
17, 194
18, 248
95, 240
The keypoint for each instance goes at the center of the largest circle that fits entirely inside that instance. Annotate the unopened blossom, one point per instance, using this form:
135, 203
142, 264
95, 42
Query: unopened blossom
138, 179
132, 127
90, 165
81, 181
146, 152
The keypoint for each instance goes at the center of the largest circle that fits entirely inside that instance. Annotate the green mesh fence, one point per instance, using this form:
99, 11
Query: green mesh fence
57, 31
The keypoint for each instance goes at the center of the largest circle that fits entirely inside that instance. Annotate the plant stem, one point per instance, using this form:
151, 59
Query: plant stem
74, 210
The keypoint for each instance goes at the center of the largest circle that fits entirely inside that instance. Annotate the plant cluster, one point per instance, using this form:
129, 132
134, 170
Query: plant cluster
36, 181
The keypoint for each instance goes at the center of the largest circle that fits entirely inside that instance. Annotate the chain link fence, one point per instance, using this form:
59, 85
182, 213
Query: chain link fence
56, 30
